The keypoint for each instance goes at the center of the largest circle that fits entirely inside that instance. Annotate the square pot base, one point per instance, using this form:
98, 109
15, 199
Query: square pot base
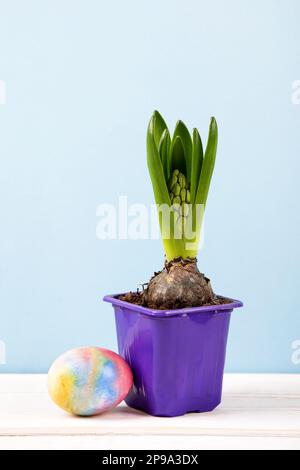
177, 356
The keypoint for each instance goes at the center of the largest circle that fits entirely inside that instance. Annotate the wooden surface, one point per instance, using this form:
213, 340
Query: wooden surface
257, 412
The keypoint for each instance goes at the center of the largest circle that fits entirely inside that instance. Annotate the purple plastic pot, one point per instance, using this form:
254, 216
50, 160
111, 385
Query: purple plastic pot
177, 356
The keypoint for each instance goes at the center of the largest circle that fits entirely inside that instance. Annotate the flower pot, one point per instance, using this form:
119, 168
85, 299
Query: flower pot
177, 356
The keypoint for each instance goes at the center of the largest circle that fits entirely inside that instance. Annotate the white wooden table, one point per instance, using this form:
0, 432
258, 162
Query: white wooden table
257, 412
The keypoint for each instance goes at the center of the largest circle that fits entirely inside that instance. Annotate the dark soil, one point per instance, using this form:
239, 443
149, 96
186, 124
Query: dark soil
178, 285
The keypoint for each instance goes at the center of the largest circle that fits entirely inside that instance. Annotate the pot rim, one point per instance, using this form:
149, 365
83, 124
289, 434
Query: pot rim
172, 313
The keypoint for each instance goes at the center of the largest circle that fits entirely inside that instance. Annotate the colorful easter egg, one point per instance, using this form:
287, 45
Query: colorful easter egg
87, 381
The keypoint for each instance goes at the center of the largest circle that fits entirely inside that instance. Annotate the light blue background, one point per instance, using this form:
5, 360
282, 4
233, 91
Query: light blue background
83, 78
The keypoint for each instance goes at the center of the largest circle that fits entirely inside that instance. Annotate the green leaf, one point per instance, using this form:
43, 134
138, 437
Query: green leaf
204, 182
163, 150
182, 132
160, 190
155, 167
159, 126
197, 160
177, 157
208, 163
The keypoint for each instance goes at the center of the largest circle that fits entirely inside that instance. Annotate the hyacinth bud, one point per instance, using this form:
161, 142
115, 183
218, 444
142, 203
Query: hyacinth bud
181, 180
183, 194
176, 189
179, 195
172, 181
177, 200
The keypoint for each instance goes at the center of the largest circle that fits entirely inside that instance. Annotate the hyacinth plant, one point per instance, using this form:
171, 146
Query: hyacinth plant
180, 173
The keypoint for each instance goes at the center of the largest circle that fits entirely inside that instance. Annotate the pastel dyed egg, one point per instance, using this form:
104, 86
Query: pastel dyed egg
88, 381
